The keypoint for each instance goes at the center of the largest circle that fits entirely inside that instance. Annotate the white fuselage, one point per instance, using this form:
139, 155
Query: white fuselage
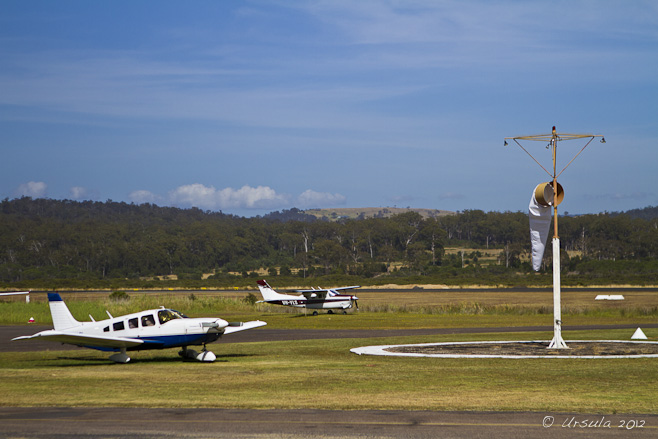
157, 328
335, 302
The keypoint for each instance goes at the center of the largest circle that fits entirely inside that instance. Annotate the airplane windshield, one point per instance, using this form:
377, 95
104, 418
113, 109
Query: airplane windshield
165, 315
182, 316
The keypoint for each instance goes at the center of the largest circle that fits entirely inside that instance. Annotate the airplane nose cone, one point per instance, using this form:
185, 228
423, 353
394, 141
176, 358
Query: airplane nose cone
214, 325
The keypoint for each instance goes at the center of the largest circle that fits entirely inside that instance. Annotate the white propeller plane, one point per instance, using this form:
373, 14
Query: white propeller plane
153, 329
313, 299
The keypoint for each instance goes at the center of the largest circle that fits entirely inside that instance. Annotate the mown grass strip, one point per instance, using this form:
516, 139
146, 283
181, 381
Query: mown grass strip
324, 374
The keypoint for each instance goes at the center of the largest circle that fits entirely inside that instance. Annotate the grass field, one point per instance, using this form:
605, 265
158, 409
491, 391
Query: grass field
324, 374
412, 308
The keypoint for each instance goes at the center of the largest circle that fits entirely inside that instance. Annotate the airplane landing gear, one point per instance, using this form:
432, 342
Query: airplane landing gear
203, 356
206, 356
120, 357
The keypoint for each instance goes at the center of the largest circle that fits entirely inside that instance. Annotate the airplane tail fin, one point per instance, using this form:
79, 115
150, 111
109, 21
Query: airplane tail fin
62, 317
267, 291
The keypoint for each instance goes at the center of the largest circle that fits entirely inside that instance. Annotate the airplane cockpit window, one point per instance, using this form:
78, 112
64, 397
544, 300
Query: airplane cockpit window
119, 326
132, 323
148, 320
165, 315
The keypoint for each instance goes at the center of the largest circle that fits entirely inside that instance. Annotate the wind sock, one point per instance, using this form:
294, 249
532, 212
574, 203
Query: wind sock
540, 221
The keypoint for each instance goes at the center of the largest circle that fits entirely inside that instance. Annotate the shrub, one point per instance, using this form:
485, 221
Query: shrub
250, 299
119, 296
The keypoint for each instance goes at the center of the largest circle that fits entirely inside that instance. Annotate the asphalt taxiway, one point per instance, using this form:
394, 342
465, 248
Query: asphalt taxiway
273, 334
142, 423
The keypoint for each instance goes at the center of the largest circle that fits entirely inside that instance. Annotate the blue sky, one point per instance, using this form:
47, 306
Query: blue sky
252, 106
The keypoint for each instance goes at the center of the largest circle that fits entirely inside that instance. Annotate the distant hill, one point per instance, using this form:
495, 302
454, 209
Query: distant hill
372, 212
647, 213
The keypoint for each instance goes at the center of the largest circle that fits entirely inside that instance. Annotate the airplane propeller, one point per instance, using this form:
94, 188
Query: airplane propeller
355, 301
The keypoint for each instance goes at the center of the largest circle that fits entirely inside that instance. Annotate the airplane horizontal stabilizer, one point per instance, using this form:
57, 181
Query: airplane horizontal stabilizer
83, 340
14, 293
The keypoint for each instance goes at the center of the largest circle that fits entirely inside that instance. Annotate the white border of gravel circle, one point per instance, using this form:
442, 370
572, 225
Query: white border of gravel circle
382, 350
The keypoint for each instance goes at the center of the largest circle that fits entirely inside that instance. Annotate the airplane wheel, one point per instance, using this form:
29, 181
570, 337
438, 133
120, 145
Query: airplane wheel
330, 312
315, 313
344, 312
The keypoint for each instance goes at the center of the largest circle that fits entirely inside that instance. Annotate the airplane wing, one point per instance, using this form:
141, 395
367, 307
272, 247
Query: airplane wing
347, 288
83, 340
240, 326
321, 293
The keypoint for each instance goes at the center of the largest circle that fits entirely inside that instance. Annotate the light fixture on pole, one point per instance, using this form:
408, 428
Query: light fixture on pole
546, 195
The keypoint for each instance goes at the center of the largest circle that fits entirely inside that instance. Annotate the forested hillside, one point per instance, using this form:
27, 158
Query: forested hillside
336, 214
48, 240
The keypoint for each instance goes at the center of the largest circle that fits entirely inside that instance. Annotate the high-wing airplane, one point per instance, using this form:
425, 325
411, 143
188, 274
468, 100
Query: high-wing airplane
313, 299
153, 329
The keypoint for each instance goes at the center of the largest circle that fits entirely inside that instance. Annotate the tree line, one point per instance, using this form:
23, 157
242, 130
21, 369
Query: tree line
45, 239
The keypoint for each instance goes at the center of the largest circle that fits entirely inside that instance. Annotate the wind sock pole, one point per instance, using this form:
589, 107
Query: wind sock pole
552, 197
558, 341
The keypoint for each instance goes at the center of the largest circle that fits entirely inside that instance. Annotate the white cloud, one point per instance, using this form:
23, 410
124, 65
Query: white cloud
34, 189
208, 197
143, 196
310, 198
78, 193
246, 197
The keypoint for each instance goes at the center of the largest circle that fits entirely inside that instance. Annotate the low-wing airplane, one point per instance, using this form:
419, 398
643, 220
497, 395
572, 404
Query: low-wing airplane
152, 329
313, 299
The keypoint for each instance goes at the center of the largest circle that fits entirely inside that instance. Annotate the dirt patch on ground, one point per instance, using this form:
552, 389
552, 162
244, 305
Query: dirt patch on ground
576, 349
